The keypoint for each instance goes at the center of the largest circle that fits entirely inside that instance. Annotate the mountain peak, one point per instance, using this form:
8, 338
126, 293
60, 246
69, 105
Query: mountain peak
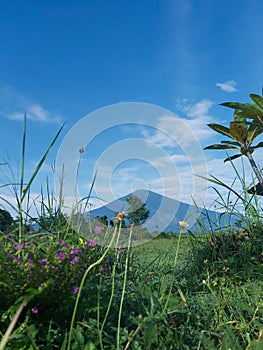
165, 212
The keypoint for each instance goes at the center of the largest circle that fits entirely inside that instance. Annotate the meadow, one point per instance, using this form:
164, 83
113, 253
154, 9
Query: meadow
182, 290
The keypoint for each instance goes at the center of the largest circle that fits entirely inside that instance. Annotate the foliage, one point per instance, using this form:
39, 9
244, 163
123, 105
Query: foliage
243, 130
6, 221
191, 291
137, 212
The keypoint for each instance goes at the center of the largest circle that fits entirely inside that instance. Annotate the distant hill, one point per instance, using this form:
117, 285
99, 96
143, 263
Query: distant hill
165, 213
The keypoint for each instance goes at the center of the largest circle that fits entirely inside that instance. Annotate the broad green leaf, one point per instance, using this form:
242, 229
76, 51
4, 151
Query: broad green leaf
232, 157
233, 143
245, 110
254, 130
220, 146
258, 100
238, 132
221, 129
240, 118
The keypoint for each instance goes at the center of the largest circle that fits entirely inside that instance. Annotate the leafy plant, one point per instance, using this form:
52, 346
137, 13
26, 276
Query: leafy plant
243, 130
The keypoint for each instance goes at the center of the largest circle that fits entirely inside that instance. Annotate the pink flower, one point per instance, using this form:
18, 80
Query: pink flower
18, 246
34, 310
97, 229
74, 260
91, 244
75, 290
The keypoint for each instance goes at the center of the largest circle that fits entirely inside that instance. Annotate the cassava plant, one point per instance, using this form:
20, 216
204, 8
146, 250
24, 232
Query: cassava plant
243, 130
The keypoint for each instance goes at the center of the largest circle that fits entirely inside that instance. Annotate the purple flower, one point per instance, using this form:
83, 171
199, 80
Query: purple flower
34, 310
49, 268
60, 255
74, 251
29, 260
19, 260
91, 244
118, 250
66, 245
18, 246
75, 290
44, 262
7, 237
74, 260
10, 256
42, 286
98, 229
61, 241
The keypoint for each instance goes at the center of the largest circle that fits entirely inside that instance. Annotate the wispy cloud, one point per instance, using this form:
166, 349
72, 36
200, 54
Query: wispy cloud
172, 131
228, 86
15, 105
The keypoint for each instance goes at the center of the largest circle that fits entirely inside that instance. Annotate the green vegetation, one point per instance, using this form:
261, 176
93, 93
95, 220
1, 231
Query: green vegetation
183, 291
137, 212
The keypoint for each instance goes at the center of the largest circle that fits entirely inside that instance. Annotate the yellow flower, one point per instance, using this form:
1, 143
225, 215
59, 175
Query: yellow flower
183, 224
81, 240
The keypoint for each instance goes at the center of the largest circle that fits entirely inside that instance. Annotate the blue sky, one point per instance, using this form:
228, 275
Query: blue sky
63, 60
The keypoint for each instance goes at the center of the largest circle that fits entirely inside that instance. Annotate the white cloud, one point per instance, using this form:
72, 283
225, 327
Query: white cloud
228, 86
15, 105
173, 131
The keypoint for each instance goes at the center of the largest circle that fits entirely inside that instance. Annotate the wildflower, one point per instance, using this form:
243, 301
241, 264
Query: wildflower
18, 246
42, 286
60, 255
74, 260
43, 262
66, 245
97, 229
75, 290
119, 216
10, 257
34, 310
7, 237
81, 240
19, 260
61, 241
91, 244
29, 260
118, 250
75, 251
183, 224
81, 150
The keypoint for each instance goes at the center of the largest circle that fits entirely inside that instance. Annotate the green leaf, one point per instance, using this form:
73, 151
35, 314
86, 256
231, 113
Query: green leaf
254, 130
234, 143
258, 100
221, 129
245, 110
259, 145
238, 132
220, 146
232, 157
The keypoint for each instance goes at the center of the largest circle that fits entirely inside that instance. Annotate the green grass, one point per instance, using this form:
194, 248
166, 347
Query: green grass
177, 291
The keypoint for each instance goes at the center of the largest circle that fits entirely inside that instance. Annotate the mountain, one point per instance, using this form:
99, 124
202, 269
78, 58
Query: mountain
165, 213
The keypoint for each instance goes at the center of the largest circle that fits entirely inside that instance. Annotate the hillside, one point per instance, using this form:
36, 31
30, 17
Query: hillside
165, 212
